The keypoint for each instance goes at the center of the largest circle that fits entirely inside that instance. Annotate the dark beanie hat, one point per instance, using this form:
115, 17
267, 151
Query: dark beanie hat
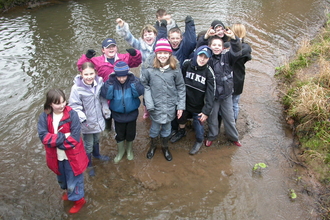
217, 23
121, 68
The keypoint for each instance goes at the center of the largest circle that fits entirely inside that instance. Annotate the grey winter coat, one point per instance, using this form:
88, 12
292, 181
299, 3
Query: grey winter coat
164, 91
91, 107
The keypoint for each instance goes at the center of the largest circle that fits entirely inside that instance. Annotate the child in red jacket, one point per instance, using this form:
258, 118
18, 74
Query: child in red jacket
59, 131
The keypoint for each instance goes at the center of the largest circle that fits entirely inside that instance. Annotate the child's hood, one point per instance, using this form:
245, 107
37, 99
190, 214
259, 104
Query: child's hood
199, 49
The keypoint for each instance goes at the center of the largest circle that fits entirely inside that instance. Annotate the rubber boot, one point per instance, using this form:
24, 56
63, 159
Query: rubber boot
195, 148
167, 153
77, 205
90, 167
129, 150
152, 149
97, 155
121, 151
65, 196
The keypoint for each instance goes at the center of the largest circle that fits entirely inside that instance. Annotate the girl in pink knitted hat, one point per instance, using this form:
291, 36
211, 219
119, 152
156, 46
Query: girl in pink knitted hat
164, 94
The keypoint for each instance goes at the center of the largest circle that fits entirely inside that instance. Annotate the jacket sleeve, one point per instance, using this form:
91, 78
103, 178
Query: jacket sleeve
210, 92
235, 50
128, 36
137, 87
76, 104
82, 60
105, 108
145, 80
75, 131
134, 61
189, 38
47, 138
181, 88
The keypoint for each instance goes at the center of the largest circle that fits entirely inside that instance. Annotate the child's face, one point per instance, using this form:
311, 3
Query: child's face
122, 79
219, 31
110, 51
175, 40
216, 46
163, 56
202, 60
88, 75
149, 37
58, 108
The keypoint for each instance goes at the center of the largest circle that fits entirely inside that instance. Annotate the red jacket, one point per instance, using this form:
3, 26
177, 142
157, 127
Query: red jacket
73, 145
104, 68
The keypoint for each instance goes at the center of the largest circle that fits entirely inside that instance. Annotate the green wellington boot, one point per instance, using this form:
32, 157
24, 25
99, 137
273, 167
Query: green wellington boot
121, 152
129, 150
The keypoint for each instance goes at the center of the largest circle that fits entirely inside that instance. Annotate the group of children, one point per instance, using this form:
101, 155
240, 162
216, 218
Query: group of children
182, 76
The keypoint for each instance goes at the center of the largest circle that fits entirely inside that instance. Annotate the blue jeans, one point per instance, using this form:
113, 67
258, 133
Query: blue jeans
164, 130
67, 180
235, 105
199, 128
90, 140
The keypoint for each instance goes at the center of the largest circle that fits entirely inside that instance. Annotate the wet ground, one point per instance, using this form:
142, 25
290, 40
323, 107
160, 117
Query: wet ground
39, 51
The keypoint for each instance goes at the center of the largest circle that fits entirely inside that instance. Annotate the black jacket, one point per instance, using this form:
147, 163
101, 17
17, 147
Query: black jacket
222, 67
200, 86
239, 68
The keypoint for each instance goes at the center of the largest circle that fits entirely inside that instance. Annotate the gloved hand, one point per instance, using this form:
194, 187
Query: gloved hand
90, 53
188, 19
131, 51
163, 23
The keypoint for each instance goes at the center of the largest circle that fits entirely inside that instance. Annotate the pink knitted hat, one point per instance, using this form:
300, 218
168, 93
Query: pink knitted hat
163, 45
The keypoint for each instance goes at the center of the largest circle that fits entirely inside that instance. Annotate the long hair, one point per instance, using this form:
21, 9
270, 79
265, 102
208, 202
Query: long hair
239, 30
53, 96
172, 61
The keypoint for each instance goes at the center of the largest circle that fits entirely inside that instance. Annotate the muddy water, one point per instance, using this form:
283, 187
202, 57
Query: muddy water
39, 49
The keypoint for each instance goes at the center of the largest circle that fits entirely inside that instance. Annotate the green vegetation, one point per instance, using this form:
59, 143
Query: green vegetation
8, 4
292, 194
259, 166
305, 84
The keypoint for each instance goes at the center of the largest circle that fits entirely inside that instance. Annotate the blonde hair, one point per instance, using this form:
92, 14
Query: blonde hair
172, 61
148, 28
239, 30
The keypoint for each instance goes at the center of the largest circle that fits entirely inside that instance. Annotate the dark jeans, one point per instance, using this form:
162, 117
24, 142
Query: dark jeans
198, 126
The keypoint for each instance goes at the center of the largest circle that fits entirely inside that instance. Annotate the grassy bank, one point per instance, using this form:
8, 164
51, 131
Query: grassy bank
305, 86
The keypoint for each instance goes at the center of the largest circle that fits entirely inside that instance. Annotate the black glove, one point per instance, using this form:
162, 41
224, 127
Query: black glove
163, 23
188, 19
90, 53
131, 51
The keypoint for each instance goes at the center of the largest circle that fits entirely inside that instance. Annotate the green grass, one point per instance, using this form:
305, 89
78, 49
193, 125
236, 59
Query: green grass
306, 99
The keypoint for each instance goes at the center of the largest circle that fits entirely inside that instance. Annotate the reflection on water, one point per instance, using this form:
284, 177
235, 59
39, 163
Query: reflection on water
39, 49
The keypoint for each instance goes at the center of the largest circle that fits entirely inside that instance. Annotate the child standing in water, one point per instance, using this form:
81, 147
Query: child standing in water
221, 62
91, 108
164, 94
239, 67
123, 90
59, 131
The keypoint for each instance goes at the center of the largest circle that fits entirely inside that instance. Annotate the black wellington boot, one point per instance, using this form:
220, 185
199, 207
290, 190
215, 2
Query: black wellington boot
167, 153
152, 149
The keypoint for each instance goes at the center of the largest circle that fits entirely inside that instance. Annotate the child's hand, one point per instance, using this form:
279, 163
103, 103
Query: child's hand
230, 34
120, 22
210, 32
202, 117
179, 113
90, 53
